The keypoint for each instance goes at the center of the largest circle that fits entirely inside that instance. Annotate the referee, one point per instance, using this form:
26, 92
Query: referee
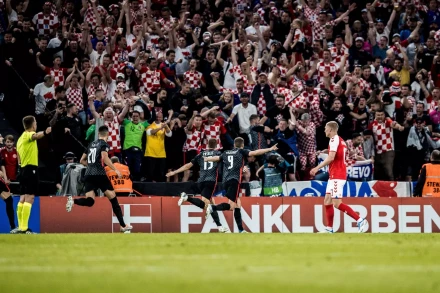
28, 152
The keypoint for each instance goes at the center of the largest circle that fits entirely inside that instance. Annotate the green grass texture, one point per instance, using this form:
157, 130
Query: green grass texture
220, 263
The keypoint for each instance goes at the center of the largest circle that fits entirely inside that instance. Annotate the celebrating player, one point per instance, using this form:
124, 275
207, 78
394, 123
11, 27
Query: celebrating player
338, 175
28, 152
233, 163
96, 178
206, 183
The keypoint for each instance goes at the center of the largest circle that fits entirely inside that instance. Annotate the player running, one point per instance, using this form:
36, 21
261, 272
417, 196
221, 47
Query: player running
233, 163
206, 183
5, 194
28, 153
96, 178
338, 175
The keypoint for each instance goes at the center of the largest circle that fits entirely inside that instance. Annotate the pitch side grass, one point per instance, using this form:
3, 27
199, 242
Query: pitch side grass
220, 263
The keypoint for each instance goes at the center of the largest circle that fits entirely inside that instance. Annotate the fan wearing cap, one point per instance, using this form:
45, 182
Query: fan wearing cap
262, 95
401, 72
69, 158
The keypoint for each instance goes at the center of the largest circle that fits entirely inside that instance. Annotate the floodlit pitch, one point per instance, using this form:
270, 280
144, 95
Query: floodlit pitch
220, 263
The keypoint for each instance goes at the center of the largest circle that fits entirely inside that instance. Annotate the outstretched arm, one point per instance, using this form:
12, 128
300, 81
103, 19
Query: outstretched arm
262, 151
180, 170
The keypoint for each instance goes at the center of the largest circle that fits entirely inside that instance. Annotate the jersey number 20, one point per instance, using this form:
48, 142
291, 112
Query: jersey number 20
92, 156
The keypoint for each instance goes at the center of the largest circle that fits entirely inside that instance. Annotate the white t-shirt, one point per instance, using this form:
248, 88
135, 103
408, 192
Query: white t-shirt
42, 94
184, 54
243, 116
94, 56
250, 30
229, 82
131, 40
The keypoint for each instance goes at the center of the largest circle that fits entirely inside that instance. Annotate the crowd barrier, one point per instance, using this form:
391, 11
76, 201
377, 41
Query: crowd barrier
260, 215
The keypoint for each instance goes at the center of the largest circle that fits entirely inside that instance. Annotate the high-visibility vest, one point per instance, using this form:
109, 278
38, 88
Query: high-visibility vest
432, 181
123, 184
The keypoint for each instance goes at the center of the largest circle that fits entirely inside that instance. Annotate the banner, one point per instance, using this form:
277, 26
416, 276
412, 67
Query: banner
361, 170
34, 220
351, 188
144, 214
260, 215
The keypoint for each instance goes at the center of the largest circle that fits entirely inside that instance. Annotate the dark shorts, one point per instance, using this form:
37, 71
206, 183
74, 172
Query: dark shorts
232, 188
29, 180
101, 182
3, 186
188, 156
206, 188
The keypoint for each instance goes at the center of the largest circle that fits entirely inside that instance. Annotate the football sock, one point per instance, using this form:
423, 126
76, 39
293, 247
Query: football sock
329, 214
197, 202
221, 207
10, 211
349, 211
237, 216
26, 214
84, 201
117, 211
20, 215
215, 217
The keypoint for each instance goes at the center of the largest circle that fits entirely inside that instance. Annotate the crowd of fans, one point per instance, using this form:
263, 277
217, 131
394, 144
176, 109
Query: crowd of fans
167, 76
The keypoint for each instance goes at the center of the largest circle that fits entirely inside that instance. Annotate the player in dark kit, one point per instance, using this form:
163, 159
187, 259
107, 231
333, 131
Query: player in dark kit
96, 178
233, 164
206, 183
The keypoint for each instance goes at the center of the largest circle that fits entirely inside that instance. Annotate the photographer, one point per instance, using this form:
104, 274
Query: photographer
272, 175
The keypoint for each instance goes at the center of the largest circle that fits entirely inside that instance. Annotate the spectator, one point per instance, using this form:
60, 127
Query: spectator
428, 179
134, 130
243, 111
277, 112
418, 147
306, 142
155, 155
355, 151
10, 159
382, 129
43, 93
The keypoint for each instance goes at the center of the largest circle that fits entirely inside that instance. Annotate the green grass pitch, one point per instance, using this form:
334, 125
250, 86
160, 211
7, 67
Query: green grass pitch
220, 263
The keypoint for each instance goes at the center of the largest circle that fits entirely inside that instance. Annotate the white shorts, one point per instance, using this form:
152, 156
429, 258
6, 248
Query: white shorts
335, 187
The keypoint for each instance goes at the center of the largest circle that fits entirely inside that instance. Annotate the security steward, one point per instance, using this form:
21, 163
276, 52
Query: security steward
122, 186
428, 184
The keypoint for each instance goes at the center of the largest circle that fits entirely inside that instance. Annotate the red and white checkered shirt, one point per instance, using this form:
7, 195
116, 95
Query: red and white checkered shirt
240, 5
307, 142
212, 131
46, 25
74, 95
437, 39
319, 30
91, 90
312, 14
114, 138
287, 93
151, 80
89, 16
57, 74
299, 36
383, 135
321, 86
364, 85
316, 115
331, 68
337, 54
193, 139
193, 77
166, 24
239, 75
353, 152
120, 56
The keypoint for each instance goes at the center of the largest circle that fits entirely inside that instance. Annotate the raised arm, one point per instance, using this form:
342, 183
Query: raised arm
92, 107
260, 152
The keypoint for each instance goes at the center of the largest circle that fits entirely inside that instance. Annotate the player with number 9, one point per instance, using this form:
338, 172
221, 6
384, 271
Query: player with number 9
233, 166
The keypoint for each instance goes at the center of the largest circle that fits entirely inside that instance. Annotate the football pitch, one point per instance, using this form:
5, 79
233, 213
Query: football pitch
220, 263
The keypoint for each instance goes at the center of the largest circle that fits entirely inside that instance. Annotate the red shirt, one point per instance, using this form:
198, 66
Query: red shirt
10, 161
338, 168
